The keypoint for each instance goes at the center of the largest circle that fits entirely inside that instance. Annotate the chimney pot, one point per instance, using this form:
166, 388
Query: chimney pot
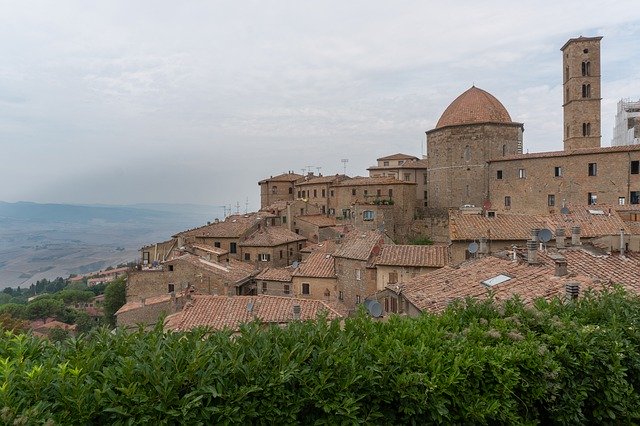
560, 233
561, 266
296, 311
572, 290
534, 234
575, 236
532, 248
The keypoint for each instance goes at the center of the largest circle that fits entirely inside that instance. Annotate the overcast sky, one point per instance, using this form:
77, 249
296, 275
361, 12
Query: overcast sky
163, 101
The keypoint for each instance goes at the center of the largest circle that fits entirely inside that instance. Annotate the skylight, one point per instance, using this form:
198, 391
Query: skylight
498, 279
596, 211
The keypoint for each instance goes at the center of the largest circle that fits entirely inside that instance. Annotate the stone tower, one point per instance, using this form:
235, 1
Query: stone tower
581, 91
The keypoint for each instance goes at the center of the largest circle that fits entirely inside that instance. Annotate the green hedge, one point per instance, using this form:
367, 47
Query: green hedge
476, 363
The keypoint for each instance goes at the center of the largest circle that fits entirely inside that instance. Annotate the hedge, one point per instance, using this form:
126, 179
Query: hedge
478, 362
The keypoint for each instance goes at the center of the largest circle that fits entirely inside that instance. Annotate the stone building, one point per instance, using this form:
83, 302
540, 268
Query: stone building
278, 188
315, 277
272, 281
271, 246
315, 190
398, 263
406, 168
627, 127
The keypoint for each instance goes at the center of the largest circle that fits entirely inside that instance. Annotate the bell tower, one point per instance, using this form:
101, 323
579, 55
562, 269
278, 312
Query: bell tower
581, 92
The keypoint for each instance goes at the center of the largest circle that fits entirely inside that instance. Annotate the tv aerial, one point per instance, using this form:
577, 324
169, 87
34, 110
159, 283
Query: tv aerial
473, 248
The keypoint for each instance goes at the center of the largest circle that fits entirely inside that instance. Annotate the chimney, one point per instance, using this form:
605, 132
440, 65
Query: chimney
532, 247
575, 236
296, 311
560, 238
572, 290
483, 248
561, 265
621, 242
142, 301
534, 234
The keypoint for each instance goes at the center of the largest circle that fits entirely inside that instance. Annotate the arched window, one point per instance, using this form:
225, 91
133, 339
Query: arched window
504, 150
566, 74
586, 129
467, 153
586, 90
586, 68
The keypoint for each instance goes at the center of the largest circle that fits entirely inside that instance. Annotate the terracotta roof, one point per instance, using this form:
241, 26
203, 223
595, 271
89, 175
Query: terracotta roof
362, 181
570, 153
322, 179
318, 265
41, 326
160, 243
412, 164
507, 226
220, 312
210, 249
633, 227
474, 106
276, 206
319, 220
284, 177
149, 301
328, 246
270, 236
398, 156
434, 256
232, 227
434, 291
233, 270
359, 245
276, 274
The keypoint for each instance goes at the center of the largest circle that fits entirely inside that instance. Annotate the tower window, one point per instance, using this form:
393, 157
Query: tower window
586, 129
585, 51
586, 68
551, 200
467, 153
567, 131
593, 169
507, 201
499, 174
557, 171
586, 90
592, 198
635, 167
522, 173
635, 197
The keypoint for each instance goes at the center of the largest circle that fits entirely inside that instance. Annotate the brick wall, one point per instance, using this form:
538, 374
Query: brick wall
352, 286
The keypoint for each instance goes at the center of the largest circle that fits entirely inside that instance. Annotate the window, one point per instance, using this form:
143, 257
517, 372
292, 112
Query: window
393, 277
507, 201
324, 193
593, 169
551, 200
232, 248
586, 90
299, 246
274, 190
635, 167
366, 192
522, 174
425, 179
566, 99
467, 153
171, 288
357, 299
386, 163
390, 192
499, 174
566, 73
592, 198
264, 286
145, 257
358, 274
315, 193
400, 163
367, 215
426, 193
247, 256
635, 197
284, 219
299, 196
331, 193
281, 254
557, 171
504, 150
567, 130
340, 295
286, 289
378, 193
586, 129
353, 191
170, 268
586, 68
407, 177
291, 190
621, 201
305, 288
323, 209
216, 244
264, 257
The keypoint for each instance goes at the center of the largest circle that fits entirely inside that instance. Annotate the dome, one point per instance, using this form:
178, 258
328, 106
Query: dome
474, 106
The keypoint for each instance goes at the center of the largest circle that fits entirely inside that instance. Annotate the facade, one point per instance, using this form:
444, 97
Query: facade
273, 281
271, 246
278, 188
406, 168
627, 128
315, 277
315, 190
398, 263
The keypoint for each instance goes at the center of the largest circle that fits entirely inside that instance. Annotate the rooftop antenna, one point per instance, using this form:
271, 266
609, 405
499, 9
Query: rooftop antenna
304, 171
246, 206
237, 207
318, 170
544, 235
344, 164
310, 168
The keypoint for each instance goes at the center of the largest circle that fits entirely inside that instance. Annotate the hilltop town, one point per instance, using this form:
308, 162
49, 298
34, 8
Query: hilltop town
475, 217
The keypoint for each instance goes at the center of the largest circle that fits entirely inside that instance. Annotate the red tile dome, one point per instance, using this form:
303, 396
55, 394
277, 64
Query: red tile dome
474, 106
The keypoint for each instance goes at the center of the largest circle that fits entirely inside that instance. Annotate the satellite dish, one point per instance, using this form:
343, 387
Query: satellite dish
295, 264
473, 248
545, 235
564, 210
374, 308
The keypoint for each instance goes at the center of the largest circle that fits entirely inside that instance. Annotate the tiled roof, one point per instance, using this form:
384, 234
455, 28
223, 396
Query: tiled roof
434, 291
359, 245
154, 244
284, 177
474, 106
605, 267
232, 227
434, 256
322, 179
328, 246
319, 220
398, 156
233, 270
633, 227
318, 265
363, 181
507, 226
210, 249
276, 274
136, 304
270, 236
219, 312
279, 205
572, 153
411, 164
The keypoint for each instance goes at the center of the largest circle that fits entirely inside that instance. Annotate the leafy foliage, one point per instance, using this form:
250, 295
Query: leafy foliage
422, 241
115, 295
476, 363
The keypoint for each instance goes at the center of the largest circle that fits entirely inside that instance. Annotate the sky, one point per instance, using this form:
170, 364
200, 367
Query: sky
122, 102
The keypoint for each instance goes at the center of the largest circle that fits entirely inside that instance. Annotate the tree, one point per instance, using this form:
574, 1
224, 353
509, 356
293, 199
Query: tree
115, 295
44, 308
75, 296
15, 310
84, 322
7, 322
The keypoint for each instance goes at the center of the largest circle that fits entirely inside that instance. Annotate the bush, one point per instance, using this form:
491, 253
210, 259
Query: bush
476, 363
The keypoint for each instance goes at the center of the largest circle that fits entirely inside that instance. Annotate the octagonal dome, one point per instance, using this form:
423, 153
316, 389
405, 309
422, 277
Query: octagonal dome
474, 106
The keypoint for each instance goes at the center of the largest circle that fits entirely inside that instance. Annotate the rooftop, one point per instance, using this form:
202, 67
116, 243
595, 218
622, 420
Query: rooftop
433, 256
398, 156
270, 236
322, 180
318, 265
220, 312
474, 106
210, 249
276, 274
233, 270
568, 153
284, 177
363, 181
319, 220
232, 227
409, 164
359, 245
